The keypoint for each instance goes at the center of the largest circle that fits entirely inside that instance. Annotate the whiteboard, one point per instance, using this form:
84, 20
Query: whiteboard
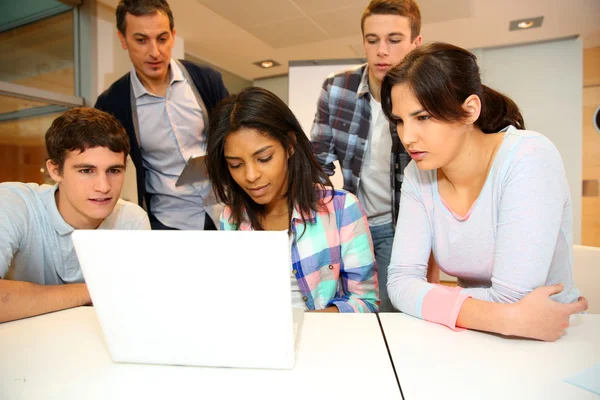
304, 88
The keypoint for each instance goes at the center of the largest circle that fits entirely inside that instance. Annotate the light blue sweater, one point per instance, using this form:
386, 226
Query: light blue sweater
517, 237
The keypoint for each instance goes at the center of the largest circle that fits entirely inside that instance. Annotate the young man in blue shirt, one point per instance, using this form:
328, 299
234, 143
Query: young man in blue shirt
39, 271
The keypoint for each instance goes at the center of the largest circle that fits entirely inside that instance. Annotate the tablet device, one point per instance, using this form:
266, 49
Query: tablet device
193, 172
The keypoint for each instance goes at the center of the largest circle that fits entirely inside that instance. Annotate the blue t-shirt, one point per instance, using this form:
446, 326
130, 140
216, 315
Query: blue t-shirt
35, 241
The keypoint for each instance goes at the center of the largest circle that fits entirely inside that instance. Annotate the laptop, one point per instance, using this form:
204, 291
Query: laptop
194, 298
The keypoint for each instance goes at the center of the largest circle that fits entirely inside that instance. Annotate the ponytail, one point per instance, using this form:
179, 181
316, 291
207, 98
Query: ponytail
497, 112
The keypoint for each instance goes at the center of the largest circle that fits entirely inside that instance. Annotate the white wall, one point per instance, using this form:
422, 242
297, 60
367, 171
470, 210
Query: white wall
278, 85
233, 83
546, 82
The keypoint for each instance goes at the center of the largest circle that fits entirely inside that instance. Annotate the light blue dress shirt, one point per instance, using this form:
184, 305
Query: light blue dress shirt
170, 133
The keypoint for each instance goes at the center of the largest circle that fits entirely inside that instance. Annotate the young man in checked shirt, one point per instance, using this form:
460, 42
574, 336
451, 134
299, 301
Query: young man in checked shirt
351, 128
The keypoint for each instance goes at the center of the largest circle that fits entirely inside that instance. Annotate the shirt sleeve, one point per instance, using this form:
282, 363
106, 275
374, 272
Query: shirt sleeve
144, 223
358, 268
534, 192
321, 133
407, 285
127, 215
13, 227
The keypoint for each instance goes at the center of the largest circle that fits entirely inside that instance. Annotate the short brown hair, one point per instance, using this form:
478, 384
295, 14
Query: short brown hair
142, 7
403, 8
83, 128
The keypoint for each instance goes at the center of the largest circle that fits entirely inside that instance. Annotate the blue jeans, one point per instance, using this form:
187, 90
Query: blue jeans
383, 238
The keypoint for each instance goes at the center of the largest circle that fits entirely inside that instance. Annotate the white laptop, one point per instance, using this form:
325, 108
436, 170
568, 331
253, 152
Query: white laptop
201, 298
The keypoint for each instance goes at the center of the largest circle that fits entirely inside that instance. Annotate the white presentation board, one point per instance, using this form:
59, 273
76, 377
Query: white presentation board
305, 82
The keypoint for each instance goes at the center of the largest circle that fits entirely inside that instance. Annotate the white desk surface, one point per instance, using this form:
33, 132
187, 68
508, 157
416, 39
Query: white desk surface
434, 362
63, 356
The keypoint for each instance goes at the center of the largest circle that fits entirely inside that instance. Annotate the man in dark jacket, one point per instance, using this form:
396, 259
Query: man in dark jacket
164, 106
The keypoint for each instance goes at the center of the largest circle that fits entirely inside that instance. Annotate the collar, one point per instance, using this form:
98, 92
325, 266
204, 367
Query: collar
245, 224
310, 217
138, 88
56, 220
363, 87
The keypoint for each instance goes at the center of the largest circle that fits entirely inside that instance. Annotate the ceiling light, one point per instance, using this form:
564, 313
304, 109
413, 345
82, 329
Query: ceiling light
267, 63
525, 23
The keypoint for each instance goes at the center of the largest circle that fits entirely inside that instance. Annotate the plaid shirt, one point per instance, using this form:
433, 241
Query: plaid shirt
332, 255
341, 131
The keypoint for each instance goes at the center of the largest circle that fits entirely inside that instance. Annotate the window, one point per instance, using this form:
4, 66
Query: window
38, 81
40, 54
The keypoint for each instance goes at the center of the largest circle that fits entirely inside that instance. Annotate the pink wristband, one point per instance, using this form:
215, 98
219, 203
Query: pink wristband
442, 305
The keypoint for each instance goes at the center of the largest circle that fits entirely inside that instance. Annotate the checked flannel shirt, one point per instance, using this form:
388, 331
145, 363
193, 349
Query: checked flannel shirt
332, 255
341, 131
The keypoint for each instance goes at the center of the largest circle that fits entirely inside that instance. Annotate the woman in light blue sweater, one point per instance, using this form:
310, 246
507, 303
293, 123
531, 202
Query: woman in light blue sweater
487, 198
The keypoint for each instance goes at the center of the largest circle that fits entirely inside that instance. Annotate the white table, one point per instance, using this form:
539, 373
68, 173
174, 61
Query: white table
433, 362
63, 356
